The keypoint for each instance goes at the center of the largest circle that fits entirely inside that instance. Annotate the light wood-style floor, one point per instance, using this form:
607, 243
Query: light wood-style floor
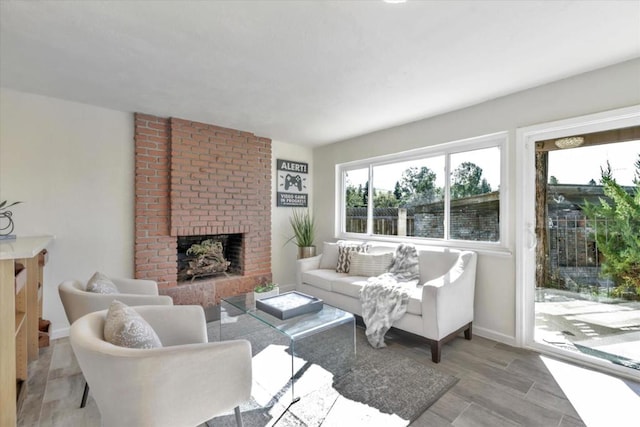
498, 386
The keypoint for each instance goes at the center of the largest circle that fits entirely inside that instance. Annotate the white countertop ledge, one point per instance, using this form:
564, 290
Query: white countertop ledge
23, 246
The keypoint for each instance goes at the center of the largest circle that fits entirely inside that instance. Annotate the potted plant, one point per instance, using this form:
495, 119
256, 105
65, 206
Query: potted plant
6, 222
304, 230
266, 290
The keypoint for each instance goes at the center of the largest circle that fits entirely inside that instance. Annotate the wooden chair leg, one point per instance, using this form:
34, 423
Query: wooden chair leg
467, 332
85, 394
436, 351
238, 416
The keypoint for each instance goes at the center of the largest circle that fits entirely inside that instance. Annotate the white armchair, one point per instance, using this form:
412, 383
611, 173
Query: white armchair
77, 301
184, 383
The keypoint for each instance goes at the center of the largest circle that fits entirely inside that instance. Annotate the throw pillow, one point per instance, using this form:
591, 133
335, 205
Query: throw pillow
101, 284
124, 327
369, 265
405, 266
344, 254
329, 255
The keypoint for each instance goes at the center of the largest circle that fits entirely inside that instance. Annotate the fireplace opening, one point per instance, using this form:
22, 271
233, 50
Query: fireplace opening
203, 257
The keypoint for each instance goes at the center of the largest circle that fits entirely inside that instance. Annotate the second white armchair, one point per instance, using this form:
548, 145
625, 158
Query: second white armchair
184, 383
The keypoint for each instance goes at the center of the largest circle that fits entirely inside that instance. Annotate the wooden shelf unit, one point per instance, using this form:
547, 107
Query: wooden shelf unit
21, 277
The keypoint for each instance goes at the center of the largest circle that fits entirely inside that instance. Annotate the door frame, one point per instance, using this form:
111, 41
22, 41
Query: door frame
526, 138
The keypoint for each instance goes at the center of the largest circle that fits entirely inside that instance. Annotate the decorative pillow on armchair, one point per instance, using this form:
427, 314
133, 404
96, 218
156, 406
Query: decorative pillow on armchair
344, 254
124, 327
101, 284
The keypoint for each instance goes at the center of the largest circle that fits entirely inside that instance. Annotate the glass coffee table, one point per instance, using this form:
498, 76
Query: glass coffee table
294, 354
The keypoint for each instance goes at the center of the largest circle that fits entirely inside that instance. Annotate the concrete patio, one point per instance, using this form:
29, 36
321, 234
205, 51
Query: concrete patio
608, 329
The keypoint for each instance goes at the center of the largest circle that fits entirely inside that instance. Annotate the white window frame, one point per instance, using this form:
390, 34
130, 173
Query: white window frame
498, 139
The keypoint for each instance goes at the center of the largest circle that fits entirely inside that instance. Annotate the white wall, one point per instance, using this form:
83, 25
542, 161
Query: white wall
283, 255
72, 165
609, 88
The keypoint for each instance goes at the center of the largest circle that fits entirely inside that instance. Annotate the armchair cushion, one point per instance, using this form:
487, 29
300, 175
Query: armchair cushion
124, 327
101, 284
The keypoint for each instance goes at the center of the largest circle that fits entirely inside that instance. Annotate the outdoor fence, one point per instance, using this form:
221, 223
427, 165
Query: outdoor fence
574, 259
385, 221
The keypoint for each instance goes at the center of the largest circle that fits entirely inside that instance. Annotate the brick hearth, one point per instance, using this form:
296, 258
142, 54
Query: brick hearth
200, 179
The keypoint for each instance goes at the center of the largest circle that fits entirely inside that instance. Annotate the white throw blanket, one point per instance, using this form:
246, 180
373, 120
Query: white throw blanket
384, 300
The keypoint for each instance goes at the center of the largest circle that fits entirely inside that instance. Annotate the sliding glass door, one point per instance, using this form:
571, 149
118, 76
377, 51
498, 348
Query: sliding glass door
578, 254
588, 258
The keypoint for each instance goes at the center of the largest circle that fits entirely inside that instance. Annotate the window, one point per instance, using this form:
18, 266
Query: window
357, 196
445, 192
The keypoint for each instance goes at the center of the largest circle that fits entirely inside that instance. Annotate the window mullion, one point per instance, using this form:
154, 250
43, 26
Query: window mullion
370, 202
447, 195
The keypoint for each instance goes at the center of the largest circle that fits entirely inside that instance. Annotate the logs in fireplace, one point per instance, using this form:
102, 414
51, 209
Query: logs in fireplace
201, 257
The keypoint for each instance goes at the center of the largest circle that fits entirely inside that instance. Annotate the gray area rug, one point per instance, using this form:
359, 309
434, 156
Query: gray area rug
391, 382
385, 386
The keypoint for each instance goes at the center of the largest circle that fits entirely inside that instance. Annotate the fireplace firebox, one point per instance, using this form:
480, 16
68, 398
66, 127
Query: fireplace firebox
204, 257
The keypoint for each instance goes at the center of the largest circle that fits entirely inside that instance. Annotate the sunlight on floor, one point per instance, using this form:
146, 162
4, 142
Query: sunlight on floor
599, 399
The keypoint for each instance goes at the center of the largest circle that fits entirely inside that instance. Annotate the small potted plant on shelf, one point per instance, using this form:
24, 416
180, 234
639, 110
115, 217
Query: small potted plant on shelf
6, 222
266, 290
304, 230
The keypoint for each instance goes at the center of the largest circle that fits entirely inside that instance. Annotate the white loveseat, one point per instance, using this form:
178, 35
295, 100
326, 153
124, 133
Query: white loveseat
440, 306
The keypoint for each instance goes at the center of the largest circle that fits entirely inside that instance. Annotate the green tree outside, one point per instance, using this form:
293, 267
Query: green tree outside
468, 181
619, 241
418, 186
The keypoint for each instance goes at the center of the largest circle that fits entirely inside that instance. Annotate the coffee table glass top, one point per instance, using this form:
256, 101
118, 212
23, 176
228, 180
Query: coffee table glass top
295, 327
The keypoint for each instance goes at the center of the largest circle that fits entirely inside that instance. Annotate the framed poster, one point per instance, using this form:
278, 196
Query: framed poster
293, 183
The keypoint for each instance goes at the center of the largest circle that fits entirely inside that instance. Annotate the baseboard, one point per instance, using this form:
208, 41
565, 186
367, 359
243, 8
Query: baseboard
494, 336
59, 333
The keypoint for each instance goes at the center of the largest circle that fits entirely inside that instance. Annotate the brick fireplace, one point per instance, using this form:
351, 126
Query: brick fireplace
199, 180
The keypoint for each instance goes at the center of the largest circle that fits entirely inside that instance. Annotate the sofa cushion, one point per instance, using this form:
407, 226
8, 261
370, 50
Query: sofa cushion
344, 254
376, 249
99, 283
124, 327
349, 286
368, 265
321, 278
329, 255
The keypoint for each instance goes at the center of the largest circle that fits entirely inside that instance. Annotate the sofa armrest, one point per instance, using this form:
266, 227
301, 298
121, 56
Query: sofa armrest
447, 301
306, 264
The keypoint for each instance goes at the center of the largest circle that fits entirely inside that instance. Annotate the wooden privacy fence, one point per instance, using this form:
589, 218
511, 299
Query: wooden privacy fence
385, 221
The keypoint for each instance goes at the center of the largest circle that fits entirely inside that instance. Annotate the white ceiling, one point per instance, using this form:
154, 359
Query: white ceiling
305, 72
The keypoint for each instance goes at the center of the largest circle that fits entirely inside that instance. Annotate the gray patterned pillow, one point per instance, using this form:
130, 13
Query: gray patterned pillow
344, 254
124, 327
101, 284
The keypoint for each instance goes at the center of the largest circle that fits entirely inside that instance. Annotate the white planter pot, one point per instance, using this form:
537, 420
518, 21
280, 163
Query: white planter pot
261, 295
